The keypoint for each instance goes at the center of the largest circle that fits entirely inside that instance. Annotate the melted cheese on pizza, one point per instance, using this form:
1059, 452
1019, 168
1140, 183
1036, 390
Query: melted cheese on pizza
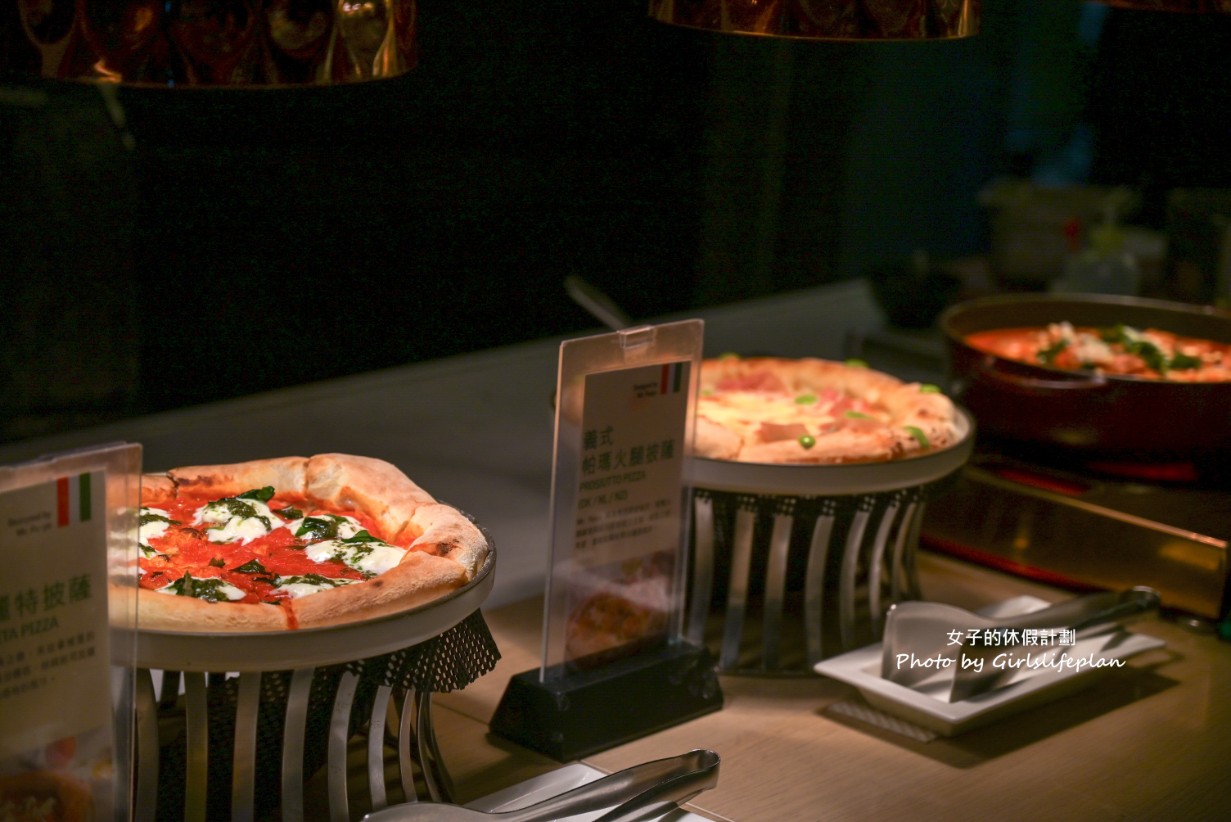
773, 415
308, 584
369, 556
212, 588
154, 524
815, 411
236, 518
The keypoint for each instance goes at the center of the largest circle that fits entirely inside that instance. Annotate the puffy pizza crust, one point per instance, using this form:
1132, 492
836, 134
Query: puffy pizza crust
444, 548
284, 473
167, 612
419, 579
371, 485
729, 434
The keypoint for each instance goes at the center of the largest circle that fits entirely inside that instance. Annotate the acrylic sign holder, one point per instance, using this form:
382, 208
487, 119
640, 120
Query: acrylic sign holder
615, 665
67, 535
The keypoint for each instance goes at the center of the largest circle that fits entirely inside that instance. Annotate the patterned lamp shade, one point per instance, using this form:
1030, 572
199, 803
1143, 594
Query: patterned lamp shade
826, 19
210, 42
1185, 6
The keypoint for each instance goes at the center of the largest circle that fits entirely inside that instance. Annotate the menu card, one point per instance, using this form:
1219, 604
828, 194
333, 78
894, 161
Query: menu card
64, 734
619, 508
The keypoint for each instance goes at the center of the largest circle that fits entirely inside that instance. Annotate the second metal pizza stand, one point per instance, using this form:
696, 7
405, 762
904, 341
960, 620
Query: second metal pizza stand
224, 718
817, 552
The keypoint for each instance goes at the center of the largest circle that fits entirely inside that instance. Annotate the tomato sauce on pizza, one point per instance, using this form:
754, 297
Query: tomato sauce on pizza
294, 542
257, 547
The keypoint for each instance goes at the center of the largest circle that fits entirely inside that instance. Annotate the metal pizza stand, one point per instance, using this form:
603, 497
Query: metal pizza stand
795, 563
233, 725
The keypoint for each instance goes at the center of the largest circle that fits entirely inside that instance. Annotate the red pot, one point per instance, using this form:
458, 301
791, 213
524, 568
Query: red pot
1093, 415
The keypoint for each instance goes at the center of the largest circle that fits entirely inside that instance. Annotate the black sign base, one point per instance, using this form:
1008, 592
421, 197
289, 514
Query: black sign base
582, 713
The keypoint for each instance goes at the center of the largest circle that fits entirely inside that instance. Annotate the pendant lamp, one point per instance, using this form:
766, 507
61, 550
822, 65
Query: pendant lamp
826, 19
210, 42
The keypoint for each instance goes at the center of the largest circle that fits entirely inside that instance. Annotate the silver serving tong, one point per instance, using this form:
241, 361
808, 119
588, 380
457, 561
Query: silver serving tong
639, 792
925, 631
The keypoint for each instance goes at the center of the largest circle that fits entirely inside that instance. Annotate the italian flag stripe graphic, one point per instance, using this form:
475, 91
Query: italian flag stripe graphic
72, 500
671, 376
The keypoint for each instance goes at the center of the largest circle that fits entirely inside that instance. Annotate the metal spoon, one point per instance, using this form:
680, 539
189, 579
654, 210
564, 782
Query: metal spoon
924, 630
597, 303
640, 792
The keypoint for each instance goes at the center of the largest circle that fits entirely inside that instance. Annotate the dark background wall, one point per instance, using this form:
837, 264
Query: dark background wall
252, 239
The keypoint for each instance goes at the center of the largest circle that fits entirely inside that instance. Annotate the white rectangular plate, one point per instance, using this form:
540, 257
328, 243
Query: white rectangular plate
927, 703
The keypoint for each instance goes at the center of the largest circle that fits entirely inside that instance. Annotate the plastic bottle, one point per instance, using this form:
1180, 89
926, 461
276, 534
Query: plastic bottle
1104, 266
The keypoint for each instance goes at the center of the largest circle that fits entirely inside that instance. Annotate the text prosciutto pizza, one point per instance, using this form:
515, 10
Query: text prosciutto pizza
772, 410
295, 542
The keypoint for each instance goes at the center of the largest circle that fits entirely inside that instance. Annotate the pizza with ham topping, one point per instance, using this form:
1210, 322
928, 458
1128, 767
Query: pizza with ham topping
813, 411
45, 796
295, 542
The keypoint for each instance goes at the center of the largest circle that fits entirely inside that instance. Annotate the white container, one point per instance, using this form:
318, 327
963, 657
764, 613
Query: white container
1028, 243
1105, 266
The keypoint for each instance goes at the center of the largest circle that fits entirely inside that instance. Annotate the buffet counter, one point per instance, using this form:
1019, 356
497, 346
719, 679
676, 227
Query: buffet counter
1149, 741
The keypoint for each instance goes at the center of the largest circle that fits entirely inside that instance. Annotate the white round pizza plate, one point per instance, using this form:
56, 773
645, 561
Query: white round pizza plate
308, 647
837, 480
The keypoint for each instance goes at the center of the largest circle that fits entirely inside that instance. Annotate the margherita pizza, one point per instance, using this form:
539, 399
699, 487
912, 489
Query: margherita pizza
295, 542
813, 411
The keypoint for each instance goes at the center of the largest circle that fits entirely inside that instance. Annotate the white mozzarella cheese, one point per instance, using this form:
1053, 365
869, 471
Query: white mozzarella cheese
154, 523
222, 588
372, 557
300, 586
340, 527
228, 520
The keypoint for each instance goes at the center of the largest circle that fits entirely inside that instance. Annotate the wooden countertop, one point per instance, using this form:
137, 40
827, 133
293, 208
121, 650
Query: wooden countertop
1148, 741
